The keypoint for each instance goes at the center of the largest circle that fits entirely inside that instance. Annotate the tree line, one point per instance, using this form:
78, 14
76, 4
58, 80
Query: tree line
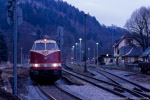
139, 24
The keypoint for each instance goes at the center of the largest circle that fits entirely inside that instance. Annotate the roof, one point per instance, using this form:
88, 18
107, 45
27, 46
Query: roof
146, 52
131, 50
42, 41
127, 35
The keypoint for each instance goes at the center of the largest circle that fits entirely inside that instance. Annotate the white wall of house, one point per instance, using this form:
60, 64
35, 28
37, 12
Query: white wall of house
135, 42
129, 60
109, 61
124, 42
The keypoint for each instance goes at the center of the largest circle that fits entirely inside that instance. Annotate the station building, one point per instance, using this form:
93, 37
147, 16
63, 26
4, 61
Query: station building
128, 50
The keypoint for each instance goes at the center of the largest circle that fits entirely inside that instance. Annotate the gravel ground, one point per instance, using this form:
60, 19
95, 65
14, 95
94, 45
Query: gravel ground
99, 76
29, 91
5, 94
56, 93
34, 94
90, 92
143, 80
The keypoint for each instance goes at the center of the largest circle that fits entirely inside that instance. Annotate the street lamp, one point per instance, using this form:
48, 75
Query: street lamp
82, 55
97, 53
88, 53
107, 55
80, 48
73, 52
94, 53
76, 52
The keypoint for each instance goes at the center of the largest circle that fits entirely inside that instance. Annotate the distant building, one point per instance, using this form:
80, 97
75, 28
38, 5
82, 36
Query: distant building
127, 50
106, 59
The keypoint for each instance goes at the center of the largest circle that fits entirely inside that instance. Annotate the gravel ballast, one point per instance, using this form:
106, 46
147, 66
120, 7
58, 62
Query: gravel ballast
140, 79
92, 93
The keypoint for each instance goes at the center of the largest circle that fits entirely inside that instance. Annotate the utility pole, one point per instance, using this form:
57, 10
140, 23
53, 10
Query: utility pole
85, 67
14, 18
15, 47
112, 39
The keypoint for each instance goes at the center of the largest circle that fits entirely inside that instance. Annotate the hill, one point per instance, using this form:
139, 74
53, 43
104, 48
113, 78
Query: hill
44, 16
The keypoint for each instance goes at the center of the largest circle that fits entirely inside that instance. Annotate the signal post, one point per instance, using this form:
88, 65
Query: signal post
14, 18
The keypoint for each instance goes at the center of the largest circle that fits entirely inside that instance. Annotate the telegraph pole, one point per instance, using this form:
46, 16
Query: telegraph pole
112, 39
15, 48
14, 18
85, 67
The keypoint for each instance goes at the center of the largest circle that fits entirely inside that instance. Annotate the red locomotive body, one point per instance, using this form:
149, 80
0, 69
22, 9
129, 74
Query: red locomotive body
45, 61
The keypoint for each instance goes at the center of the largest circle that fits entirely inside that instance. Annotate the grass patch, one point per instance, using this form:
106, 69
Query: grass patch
79, 69
76, 67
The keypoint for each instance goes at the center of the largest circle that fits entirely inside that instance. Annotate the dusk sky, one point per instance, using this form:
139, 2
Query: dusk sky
109, 12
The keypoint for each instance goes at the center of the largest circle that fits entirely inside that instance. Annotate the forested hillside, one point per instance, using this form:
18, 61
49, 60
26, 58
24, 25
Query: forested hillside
42, 17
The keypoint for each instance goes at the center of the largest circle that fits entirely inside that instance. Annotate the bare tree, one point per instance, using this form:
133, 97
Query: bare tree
139, 23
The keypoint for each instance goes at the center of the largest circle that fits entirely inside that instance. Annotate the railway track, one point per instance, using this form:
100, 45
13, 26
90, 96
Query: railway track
49, 96
110, 87
89, 80
133, 86
55, 92
56, 88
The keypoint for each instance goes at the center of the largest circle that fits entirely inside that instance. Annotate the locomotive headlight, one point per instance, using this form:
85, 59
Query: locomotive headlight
36, 65
45, 40
54, 65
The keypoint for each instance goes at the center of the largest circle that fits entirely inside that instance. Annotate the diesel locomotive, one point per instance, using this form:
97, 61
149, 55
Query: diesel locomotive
45, 61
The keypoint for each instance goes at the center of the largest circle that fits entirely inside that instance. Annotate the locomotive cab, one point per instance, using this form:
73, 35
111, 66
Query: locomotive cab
45, 61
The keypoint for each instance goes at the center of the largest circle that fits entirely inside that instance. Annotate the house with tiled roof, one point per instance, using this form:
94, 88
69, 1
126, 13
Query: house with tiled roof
127, 49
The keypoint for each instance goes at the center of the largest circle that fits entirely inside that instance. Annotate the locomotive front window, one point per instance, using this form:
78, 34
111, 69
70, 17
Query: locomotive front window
33, 47
57, 47
50, 46
40, 46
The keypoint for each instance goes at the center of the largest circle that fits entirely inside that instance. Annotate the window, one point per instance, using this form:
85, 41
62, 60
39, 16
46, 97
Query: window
57, 47
40, 46
51, 46
111, 60
33, 47
129, 41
